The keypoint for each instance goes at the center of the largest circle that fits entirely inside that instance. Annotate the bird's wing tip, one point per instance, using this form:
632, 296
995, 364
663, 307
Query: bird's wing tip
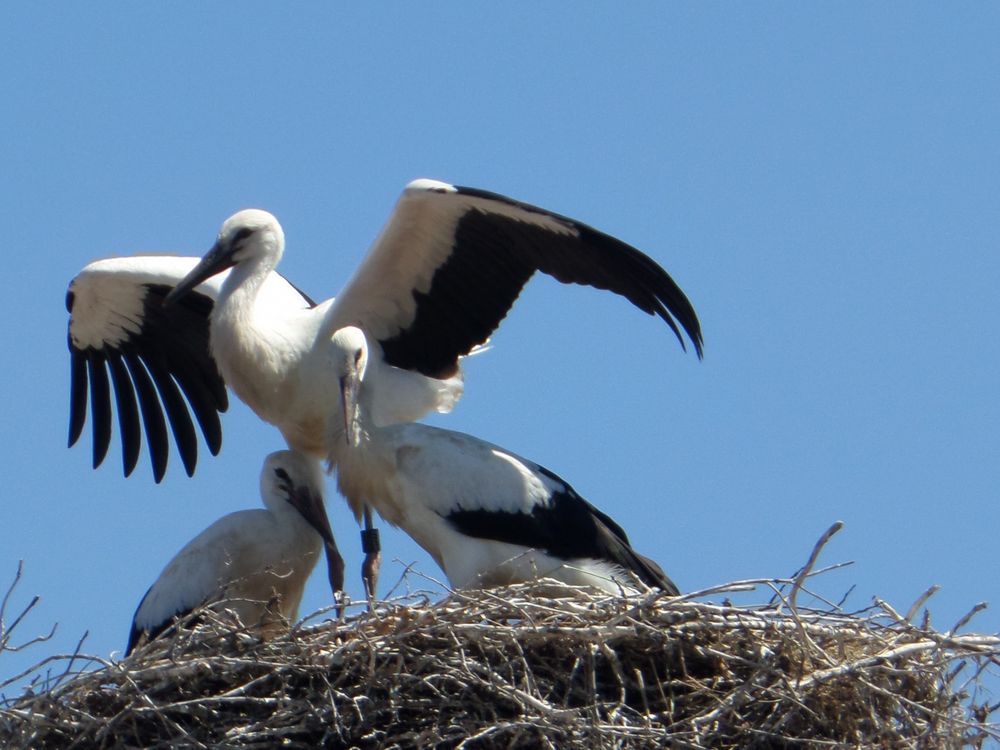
424, 184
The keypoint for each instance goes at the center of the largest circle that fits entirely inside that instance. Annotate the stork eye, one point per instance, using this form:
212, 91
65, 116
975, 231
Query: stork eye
282, 474
242, 234
357, 356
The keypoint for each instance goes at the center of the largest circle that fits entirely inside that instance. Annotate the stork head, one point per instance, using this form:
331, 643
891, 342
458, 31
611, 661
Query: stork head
287, 477
295, 479
350, 360
248, 235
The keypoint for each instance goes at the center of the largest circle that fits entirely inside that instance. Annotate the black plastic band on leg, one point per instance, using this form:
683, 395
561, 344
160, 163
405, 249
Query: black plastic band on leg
370, 542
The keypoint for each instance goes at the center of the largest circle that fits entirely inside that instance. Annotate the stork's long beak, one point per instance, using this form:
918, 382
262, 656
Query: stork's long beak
216, 260
349, 387
310, 506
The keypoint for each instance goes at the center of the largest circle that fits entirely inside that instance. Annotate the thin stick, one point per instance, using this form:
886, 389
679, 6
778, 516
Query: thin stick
804, 573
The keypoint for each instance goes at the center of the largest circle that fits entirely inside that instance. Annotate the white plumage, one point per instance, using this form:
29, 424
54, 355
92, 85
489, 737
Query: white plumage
487, 516
256, 562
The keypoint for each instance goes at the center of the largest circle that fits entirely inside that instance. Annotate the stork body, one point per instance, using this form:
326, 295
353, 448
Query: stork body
256, 562
486, 515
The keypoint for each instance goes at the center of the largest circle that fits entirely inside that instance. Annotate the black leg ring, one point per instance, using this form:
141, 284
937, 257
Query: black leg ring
370, 542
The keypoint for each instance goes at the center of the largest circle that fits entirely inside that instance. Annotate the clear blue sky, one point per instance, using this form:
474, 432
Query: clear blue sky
823, 182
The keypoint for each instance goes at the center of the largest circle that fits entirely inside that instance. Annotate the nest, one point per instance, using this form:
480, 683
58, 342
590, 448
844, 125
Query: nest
518, 668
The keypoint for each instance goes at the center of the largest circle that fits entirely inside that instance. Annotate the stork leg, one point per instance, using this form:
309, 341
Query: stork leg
335, 573
372, 548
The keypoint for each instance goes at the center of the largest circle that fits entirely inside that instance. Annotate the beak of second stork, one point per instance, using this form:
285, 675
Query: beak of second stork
349, 386
310, 505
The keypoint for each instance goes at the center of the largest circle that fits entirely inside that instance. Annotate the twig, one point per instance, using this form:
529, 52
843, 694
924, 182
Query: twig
921, 601
804, 573
7, 631
965, 620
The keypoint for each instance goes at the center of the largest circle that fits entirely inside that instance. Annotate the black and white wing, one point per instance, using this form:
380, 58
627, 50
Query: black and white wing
563, 525
160, 364
451, 261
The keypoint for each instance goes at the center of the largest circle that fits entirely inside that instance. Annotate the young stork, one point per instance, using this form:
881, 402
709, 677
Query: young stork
255, 562
487, 516
437, 282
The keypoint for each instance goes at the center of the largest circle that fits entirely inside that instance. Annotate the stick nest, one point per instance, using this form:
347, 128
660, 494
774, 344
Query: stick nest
516, 668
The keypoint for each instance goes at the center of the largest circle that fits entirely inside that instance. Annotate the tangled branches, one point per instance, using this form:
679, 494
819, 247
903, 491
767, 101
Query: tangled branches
516, 668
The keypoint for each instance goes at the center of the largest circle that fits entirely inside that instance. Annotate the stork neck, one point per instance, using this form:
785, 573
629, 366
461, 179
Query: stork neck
241, 287
364, 474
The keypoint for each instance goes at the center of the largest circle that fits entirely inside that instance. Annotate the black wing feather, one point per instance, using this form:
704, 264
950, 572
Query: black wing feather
100, 405
128, 413
202, 403
138, 635
177, 412
77, 394
152, 417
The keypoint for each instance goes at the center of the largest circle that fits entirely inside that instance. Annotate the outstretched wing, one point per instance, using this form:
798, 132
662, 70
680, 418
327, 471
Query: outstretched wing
452, 260
159, 360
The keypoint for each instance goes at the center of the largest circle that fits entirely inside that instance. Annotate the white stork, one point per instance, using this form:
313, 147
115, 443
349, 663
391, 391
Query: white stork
487, 516
255, 562
436, 283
